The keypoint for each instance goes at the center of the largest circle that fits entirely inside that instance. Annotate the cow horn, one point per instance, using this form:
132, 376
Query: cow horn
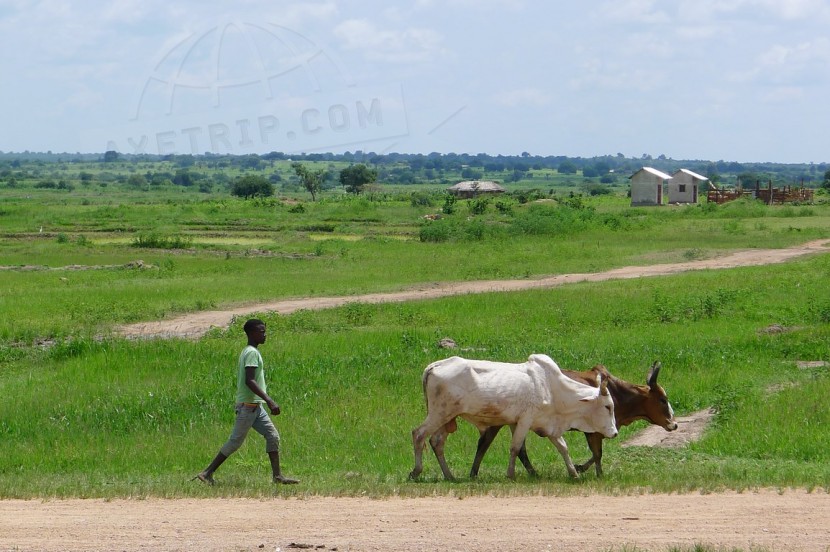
651, 379
603, 386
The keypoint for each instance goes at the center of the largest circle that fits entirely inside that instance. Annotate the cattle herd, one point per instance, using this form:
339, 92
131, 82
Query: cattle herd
533, 396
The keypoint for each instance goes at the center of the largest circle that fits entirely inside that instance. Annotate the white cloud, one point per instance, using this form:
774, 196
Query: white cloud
784, 94
789, 65
635, 11
523, 97
796, 9
408, 45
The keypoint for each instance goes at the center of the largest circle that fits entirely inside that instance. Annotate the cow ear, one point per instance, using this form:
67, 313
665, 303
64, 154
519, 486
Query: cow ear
651, 379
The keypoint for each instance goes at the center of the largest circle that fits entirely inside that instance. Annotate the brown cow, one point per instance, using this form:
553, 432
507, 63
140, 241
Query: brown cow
631, 402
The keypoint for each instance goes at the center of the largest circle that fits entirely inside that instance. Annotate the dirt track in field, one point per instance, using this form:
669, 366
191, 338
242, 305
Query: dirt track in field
195, 325
793, 520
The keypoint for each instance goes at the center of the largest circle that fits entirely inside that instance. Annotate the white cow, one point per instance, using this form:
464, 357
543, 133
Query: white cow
533, 395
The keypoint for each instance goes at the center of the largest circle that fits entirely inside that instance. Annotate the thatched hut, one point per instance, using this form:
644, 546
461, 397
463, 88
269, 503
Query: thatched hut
473, 188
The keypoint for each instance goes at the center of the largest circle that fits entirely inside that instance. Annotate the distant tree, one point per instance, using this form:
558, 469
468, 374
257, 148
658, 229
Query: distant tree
471, 174
567, 167
184, 161
183, 178
826, 182
354, 178
749, 179
597, 189
602, 167
589, 171
110, 156
137, 181
311, 180
252, 186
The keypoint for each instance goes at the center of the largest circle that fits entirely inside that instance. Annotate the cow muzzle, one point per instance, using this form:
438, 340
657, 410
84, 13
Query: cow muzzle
670, 426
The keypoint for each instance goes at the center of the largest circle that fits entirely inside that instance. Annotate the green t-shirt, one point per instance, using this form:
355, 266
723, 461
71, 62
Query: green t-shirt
250, 357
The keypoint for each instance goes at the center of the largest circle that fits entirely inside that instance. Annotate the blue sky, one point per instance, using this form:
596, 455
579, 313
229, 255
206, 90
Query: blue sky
737, 80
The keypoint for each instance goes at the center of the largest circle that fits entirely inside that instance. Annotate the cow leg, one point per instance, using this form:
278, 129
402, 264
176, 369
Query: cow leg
437, 443
419, 435
562, 447
525, 459
581, 468
485, 439
595, 444
516, 445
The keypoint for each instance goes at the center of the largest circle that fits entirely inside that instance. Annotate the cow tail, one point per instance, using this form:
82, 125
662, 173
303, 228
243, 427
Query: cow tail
424, 378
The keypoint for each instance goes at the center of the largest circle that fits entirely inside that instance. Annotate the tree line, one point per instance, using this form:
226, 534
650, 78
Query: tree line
395, 168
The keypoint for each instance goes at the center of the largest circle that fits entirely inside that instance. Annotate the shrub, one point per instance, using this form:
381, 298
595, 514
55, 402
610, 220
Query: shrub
436, 231
449, 204
478, 206
152, 240
420, 199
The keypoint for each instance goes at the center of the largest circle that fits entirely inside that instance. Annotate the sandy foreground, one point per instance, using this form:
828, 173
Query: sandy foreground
788, 521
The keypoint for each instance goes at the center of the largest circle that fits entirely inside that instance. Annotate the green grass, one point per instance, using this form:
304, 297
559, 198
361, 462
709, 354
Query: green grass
118, 418
80, 277
87, 414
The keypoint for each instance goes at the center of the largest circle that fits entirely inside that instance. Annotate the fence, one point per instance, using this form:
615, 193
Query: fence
768, 195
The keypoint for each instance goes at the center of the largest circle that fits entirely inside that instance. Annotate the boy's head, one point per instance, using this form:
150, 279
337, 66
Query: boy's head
255, 330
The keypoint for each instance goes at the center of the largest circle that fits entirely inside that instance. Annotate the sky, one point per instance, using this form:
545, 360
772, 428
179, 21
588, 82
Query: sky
733, 80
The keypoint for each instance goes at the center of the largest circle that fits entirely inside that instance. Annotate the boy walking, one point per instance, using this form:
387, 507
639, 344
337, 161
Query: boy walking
251, 395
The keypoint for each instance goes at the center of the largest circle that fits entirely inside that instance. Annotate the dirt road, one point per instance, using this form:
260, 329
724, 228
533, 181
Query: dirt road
792, 521
194, 325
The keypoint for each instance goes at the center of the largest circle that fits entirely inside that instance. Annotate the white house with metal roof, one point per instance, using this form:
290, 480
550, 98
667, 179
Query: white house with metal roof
647, 187
684, 186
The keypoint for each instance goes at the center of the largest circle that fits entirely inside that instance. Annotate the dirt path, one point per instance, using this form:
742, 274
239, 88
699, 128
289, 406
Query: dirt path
195, 325
792, 521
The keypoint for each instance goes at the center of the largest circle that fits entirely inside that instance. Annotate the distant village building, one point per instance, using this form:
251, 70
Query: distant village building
647, 187
473, 188
684, 186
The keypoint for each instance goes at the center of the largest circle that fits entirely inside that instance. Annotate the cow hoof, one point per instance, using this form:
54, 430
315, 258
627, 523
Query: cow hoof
413, 475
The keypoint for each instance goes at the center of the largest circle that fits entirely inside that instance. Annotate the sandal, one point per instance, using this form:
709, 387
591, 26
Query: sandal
206, 479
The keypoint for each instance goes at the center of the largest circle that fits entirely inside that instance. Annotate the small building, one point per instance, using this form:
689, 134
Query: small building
684, 186
647, 187
473, 188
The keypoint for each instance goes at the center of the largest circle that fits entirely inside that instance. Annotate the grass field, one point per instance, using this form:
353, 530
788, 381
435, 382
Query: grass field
88, 414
